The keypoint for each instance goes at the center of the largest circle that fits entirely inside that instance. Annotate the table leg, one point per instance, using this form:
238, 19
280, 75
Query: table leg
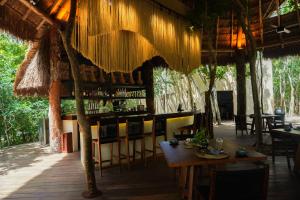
252, 126
297, 160
182, 177
191, 183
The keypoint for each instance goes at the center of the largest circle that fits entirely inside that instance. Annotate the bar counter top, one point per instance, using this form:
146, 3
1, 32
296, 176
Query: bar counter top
124, 115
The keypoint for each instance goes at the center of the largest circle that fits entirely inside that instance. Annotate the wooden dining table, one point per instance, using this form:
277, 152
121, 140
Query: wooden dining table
181, 157
295, 133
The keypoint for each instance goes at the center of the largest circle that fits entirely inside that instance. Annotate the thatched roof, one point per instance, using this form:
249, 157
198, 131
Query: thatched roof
33, 76
29, 22
263, 22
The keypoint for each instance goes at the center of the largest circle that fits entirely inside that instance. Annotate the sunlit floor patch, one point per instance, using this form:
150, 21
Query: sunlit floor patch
20, 164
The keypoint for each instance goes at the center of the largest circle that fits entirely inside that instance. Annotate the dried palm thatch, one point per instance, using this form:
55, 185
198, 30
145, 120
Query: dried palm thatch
33, 76
120, 36
13, 23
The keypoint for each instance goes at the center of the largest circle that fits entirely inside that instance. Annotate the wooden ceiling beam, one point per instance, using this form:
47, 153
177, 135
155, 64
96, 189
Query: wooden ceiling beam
40, 13
219, 50
175, 5
276, 44
261, 24
268, 9
26, 14
231, 29
2, 2
41, 24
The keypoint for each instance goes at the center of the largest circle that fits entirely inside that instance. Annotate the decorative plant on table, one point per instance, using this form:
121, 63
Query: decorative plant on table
200, 139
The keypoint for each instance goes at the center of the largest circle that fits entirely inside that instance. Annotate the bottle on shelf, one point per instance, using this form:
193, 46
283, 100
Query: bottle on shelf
113, 78
122, 79
139, 81
131, 80
101, 77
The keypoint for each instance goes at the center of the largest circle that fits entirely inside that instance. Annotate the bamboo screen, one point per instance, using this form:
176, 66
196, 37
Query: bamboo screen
119, 35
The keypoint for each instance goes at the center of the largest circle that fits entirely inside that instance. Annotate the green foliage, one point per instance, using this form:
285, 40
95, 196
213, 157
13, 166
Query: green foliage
220, 73
164, 79
200, 138
68, 107
19, 118
287, 7
285, 69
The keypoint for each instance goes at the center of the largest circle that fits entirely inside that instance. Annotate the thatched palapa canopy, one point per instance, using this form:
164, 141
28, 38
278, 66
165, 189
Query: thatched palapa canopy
119, 35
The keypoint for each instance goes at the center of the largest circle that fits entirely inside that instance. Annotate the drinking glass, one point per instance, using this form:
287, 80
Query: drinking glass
219, 143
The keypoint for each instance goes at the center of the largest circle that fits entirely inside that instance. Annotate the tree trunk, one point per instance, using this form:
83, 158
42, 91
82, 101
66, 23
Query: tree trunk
282, 88
212, 77
189, 79
261, 83
55, 122
243, 15
92, 190
241, 85
216, 105
292, 99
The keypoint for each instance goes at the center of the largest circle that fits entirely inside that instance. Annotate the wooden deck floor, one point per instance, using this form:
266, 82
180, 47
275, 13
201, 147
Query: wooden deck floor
30, 172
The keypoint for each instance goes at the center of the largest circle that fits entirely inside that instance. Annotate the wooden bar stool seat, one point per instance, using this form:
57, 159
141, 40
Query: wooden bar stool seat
107, 133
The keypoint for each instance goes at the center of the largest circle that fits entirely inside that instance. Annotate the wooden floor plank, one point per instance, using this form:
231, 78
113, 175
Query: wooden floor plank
31, 172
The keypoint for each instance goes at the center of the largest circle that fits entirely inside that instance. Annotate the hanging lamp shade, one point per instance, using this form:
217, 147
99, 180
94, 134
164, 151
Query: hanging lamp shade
119, 35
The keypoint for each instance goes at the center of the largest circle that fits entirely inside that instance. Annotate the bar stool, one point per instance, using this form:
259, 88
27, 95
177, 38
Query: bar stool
108, 133
134, 132
159, 128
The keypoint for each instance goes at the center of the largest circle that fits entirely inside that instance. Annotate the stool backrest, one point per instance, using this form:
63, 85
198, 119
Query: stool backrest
135, 126
246, 184
108, 128
159, 126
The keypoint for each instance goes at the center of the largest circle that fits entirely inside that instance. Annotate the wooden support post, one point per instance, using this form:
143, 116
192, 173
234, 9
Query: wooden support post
55, 122
240, 62
148, 81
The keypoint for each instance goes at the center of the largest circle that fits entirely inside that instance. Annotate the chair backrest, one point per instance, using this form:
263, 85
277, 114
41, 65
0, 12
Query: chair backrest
270, 124
240, 121
108, 128
134, 126
247, 184
159, 126
198, 121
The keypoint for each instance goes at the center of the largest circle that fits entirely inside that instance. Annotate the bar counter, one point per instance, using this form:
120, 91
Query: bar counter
174, 121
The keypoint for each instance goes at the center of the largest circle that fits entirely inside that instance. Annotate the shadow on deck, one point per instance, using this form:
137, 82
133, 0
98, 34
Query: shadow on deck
30, 172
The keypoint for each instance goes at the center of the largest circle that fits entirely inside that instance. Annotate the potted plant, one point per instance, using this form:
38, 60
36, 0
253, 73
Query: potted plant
200, 139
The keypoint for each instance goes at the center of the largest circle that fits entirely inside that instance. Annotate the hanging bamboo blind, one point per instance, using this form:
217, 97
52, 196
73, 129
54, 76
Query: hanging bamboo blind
119, 35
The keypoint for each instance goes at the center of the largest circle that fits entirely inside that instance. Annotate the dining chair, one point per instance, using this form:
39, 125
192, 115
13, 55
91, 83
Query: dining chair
107, 133
236, 182
189, 130
134, 132
282, 144
280, 118
241, 124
